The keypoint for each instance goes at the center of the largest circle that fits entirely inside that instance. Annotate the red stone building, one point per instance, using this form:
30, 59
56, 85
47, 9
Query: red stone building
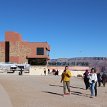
15, 50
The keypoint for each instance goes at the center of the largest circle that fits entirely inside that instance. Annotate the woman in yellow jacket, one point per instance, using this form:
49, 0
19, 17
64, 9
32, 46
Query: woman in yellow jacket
65, 77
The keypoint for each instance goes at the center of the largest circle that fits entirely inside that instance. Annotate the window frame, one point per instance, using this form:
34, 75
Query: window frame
41, 51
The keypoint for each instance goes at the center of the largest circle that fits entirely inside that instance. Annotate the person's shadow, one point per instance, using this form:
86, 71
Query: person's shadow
77, 87
55, 85
72, 92
79, 94
70, 86
49, 92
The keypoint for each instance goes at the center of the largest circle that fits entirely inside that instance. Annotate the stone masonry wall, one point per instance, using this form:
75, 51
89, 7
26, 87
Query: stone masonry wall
17, 49
2, 52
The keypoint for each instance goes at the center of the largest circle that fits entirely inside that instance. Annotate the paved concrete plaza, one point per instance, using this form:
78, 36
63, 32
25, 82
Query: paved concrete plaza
47, 91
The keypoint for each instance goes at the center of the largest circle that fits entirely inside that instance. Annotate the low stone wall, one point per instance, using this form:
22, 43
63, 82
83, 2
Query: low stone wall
38, 70
76, 70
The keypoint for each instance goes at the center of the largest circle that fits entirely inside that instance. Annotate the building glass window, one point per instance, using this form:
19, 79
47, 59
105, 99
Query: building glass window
37, 61
47, 52
40, 51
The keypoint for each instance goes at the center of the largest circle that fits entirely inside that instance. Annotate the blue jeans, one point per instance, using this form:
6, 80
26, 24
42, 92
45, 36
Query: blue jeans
92, 89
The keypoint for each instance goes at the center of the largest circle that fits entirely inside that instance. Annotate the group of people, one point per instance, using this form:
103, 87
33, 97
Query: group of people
46, 72
55, 72
90, 79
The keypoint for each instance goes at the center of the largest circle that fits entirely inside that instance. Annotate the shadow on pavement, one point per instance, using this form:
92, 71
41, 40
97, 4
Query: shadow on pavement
49, 92
80, 93
70, 86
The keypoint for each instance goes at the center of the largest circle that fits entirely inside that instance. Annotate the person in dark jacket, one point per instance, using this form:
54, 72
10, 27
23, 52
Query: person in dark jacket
86, 79
99, 79
104, 78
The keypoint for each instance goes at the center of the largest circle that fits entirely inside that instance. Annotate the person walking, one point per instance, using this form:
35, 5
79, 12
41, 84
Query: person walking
93, 82
44, 71
99, 79
65, 78
104, 78
86, 79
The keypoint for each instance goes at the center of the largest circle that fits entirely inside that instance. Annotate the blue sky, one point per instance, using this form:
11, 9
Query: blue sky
73, 28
